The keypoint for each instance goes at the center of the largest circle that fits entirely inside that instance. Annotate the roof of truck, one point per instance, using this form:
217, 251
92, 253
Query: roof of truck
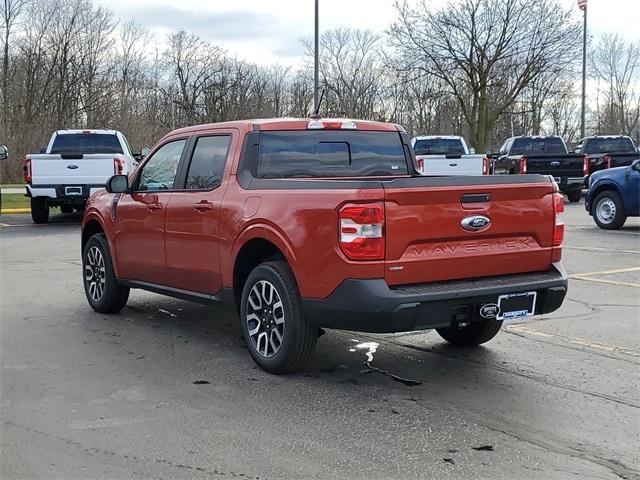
268, 124
434, 137
86, 130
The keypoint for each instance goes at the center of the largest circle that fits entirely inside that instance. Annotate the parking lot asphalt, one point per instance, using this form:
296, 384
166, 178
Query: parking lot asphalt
167, 389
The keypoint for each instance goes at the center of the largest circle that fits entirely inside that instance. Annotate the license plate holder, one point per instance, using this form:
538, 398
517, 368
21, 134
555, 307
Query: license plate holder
516, 305
73, 190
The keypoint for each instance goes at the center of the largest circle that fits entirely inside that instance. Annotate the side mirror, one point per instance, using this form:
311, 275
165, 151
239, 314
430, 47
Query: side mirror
636, 166
142, 155
4, 153
118, 184
488, 152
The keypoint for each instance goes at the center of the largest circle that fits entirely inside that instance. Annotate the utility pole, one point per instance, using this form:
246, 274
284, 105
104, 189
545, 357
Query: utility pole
582, 4
316, 62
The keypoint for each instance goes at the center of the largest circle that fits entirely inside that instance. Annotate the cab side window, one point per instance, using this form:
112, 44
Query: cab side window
207, 162
159, 172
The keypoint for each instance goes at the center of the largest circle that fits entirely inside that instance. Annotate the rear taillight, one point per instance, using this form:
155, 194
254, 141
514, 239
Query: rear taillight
362, 231
523, 165
26, 170
607, 161
485, 166
118, 166
420, 164
558, 218
585, 166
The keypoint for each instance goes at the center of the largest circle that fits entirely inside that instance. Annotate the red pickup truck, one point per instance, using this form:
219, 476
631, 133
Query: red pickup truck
315, 223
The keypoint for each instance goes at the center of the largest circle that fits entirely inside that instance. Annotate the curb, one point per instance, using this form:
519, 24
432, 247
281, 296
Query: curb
15, 210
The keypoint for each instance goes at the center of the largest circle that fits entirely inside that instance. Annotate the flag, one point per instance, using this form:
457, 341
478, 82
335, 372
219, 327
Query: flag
582, 4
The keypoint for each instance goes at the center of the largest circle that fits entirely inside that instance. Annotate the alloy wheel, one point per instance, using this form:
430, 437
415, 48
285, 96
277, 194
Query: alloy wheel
94, 273
265, 318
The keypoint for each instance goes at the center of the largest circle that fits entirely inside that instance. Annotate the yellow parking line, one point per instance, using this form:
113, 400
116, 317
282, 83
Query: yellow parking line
600, 249
573, 340
601, 280
16, 210
605, 272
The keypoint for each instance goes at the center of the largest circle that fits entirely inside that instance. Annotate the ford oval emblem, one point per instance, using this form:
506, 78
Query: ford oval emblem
489, 311
555, 164
72, 167
475, 223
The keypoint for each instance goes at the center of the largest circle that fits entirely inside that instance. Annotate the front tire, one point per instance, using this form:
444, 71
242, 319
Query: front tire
475, 333
574, 195
608, 210
279, 337
39, 210
101, 287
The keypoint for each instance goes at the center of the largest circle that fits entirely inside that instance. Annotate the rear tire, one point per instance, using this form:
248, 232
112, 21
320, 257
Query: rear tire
39, 210
608, 210
66, 208
574, 195
279, 337
101, 287
476, 333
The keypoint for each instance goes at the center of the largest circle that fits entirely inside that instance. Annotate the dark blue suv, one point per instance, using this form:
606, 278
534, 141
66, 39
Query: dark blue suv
614, 195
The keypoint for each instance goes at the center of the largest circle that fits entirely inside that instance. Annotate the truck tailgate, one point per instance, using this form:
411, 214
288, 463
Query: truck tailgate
93, 169
450, 164
570, 165
425, 240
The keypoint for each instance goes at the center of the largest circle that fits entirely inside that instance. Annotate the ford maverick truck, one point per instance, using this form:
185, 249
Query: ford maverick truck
316, 223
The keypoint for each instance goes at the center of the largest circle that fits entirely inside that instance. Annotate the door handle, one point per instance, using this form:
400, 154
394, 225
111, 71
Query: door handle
154, 207
203, 206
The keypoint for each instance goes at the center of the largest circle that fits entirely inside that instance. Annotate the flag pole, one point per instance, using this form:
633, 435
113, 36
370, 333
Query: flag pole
316, 74
584, 73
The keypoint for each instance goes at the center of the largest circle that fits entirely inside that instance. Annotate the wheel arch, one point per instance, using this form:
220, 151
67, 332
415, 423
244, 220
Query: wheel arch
91, 226
602, 187
255, 246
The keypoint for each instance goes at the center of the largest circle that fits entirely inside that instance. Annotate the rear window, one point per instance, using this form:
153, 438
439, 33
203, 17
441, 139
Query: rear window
328, 153
86, 143
523, 146
609, 145
438, 146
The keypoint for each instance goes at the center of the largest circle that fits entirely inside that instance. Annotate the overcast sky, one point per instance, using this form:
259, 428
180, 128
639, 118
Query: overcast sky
269, 31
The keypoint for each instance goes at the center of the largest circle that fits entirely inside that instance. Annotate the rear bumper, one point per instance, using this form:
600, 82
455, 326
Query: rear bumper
571, 183
77, 193
371, 306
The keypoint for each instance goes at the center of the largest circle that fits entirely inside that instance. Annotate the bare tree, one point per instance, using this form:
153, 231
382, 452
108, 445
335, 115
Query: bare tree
192, 62
10, 10
616, 63
486, 51
351, 70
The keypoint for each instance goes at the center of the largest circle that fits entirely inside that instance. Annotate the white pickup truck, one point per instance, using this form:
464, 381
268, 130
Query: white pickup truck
447, 155
75, 164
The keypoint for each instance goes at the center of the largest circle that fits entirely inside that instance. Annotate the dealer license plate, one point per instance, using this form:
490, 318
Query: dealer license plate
516, 305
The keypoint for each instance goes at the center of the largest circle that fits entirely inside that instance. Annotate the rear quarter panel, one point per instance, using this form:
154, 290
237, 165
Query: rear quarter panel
303, 224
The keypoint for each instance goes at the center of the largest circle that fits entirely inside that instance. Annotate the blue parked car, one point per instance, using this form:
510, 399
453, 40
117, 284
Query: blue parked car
614, 195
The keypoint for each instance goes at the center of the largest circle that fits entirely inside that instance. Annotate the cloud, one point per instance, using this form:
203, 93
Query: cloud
211, 25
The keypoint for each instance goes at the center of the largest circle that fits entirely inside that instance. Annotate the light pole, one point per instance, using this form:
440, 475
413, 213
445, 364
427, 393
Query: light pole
582, 4
316, 73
